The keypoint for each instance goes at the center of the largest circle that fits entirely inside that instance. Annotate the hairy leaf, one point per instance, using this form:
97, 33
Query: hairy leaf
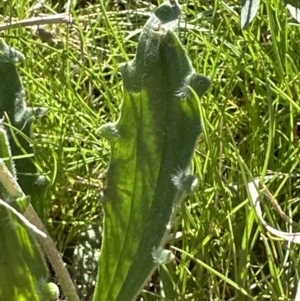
151, 147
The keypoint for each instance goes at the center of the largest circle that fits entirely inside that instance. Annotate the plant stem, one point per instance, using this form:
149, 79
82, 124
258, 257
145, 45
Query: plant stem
41, 20
54, 256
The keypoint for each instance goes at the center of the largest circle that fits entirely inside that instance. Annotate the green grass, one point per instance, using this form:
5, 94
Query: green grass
250, 128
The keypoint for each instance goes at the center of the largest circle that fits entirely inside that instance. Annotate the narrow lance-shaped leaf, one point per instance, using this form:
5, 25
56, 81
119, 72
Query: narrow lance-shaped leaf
151, 147
12, 104
23, 270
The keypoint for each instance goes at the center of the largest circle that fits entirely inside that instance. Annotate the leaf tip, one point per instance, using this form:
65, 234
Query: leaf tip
199, 83
185, 182
162, 256
109, 131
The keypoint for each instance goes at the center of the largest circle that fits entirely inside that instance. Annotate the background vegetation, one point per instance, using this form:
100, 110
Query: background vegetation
250, 128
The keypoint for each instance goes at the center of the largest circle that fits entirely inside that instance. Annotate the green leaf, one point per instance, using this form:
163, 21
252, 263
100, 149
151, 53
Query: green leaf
18, 121
167, 286
22, 265
23, 270
151, 147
